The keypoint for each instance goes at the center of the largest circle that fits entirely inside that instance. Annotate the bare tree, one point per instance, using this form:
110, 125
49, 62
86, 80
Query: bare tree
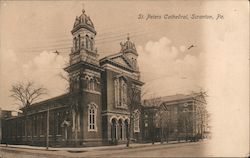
163, 120
156, 116
134, 103
27, 93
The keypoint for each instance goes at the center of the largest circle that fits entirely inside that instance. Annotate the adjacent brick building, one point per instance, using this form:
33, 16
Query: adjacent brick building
176, 117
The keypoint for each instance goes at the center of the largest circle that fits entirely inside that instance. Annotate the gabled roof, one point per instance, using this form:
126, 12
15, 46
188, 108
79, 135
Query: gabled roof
118, 60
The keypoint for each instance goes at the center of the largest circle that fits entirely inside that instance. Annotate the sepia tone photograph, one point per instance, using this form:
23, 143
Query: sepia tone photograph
124, 78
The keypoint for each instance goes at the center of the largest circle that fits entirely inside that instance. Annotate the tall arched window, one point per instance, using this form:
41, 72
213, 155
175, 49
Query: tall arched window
92, 84
120, 92
91, 43
124, 94
114, 129
126, 125
120, 128
92, 112
87, 41
117, 92
88, 82
79, 41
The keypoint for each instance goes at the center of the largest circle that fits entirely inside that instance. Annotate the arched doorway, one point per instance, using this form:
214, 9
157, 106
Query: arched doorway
113, 129
120, 129
126, 124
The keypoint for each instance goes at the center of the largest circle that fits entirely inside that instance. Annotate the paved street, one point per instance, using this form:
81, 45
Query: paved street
157, 150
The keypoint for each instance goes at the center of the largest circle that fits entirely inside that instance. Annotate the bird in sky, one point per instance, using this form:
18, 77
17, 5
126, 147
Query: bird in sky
191, 46
56, 52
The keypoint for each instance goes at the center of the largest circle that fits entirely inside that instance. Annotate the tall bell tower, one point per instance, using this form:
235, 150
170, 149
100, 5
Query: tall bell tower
83, 52
83, 40
85, 82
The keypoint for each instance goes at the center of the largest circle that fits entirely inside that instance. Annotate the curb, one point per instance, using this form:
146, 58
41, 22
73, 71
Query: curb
93, 149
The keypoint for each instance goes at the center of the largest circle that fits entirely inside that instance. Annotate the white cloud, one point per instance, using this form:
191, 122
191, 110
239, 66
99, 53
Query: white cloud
162, 66
42, 69
45, 69
166, 71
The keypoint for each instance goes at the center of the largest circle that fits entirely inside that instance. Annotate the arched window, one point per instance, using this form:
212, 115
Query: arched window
124, 97
120, 92
92, 112
92, 84
79, 41
91, 43
117, 92
114, 129
88, 83
126, 131
87, 41
120, 127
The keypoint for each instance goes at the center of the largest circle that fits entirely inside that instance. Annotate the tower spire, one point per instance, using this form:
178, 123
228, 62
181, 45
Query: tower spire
128, 37
83, 10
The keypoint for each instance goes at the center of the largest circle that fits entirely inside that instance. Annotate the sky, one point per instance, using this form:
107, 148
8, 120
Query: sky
32, 30
218, 63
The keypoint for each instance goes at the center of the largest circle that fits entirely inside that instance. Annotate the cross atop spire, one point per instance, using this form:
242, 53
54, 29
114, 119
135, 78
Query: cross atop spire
128, 37
83, 10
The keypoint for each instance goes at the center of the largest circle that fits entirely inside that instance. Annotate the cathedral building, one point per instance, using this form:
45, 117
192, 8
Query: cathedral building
101, 107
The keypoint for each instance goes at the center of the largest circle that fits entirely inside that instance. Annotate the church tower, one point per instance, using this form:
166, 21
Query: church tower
83, 40
85, 82
83, 56
128, 49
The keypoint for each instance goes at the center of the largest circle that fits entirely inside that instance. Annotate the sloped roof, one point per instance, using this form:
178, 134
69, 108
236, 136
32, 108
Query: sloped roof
112, 60
177, 97
47, 102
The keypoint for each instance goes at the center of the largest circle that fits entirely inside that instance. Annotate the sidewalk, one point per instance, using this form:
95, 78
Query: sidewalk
85, 149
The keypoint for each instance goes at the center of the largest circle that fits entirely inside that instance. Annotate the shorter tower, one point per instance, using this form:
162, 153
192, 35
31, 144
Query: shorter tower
128, 48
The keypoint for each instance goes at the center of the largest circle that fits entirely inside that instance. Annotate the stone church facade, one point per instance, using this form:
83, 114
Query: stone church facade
98, 108
103, 105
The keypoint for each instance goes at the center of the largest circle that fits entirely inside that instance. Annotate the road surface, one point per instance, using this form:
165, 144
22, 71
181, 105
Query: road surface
158, 150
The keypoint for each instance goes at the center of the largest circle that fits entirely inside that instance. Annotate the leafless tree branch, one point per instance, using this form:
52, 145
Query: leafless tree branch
26, 93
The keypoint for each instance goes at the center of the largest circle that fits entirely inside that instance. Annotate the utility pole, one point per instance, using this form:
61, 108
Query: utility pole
47, 135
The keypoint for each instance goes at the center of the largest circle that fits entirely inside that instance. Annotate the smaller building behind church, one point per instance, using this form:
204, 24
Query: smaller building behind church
176, 117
